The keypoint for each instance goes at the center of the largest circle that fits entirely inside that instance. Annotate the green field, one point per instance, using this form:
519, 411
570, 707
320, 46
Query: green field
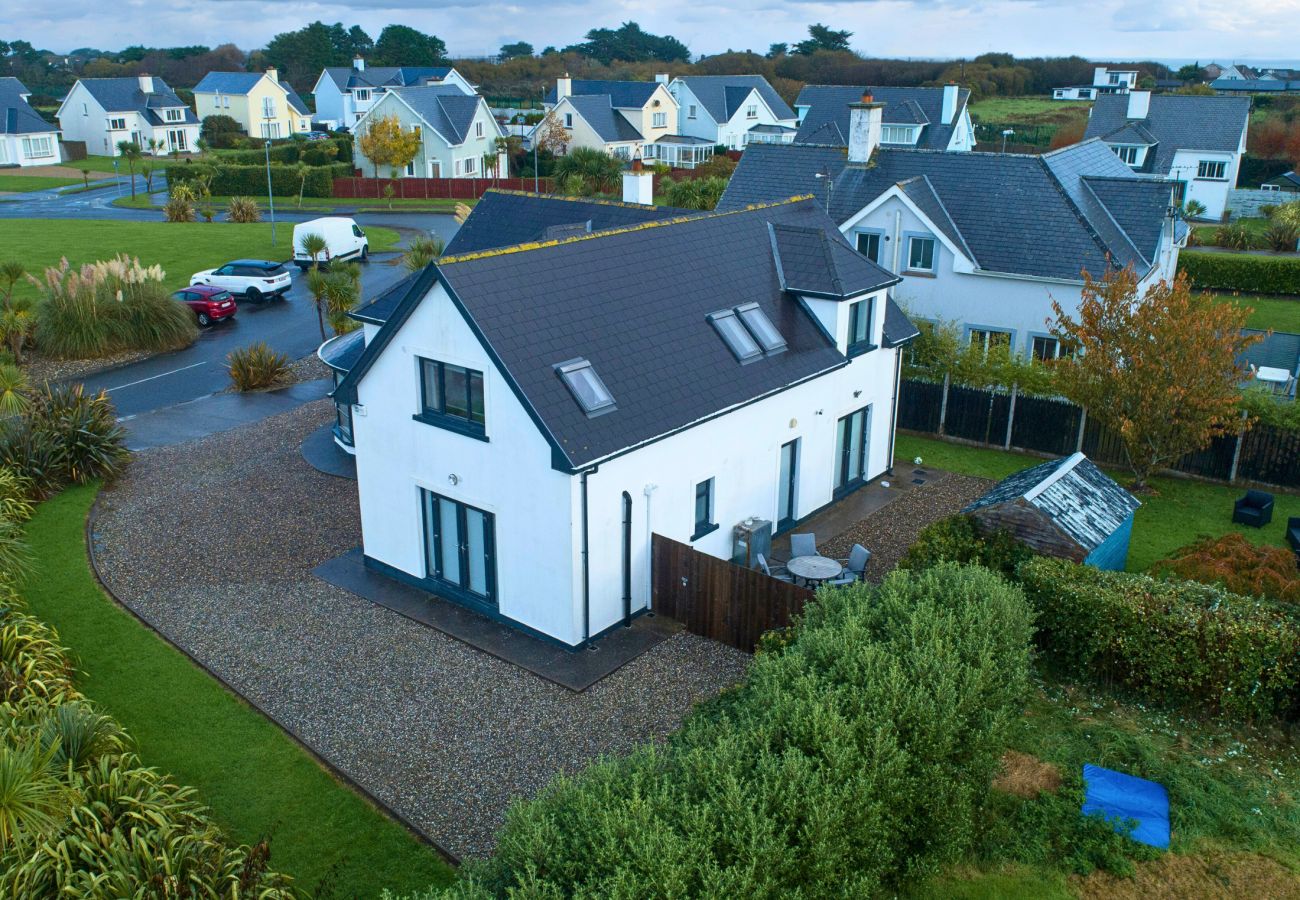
1036, 110
21, 183
1277, 313
1179, 511
257, 781
181, 249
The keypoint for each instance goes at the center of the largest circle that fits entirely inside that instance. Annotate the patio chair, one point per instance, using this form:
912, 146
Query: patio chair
855, 567
803, 545
777, 572
1293, 533
1254, 509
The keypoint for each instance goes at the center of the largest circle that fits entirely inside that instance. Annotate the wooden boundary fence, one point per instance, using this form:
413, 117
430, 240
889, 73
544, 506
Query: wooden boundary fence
358, 188
717, 599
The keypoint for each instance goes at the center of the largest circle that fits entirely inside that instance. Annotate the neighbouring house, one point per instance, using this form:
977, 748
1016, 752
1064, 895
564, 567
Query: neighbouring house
731, 110
627, 119
26, 139
1239, 87
343, 94
102, 112
1067, 508
1287, 183
458, 134
1231, 73
985, 240
516, 457
1104, 81
1197, 142
936, 118
262, 104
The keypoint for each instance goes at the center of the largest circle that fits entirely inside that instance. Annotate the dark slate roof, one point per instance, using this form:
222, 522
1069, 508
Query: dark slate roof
600, 113
898, 328
377, 310
295, 101
1254, 85
1173, 122
1278, 350
722, 95
921, 191
342, 351
1019, 214
1076, 496
603, 297
124, 95
1292, 177
811, 261
505, 218
16, 116
385, 76
622, 94
227, 82
827, 118
445, 108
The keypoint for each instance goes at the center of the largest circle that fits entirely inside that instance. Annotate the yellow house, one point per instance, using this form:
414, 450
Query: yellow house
261, 103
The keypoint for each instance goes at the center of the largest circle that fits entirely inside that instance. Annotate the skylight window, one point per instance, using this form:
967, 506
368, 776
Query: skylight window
761, 327
735, 335
585, 385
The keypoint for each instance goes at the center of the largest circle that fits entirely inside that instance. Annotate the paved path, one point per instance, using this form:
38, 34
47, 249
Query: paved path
216, 413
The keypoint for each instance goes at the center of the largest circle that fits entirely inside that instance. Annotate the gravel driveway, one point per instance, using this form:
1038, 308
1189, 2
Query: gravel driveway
443, 733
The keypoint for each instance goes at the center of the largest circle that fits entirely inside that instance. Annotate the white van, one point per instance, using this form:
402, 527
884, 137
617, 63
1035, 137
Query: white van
344, 239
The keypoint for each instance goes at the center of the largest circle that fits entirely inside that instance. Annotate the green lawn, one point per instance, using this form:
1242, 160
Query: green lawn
1029, 109
21, 183
98, 164
366, 204
1179, 511
181, 249
1256, 225
1277, 313
257, 781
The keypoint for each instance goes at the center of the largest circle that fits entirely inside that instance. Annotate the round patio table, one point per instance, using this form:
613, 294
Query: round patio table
815, 569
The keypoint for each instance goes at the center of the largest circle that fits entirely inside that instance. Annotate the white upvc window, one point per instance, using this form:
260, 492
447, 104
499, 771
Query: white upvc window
660, 120
751, 111
568, 120
415, 129
225, 102
174, 115
361, 95
478, 129
85, 110
37, 147
1127, 154
897, 134
1214, 170
690, 111
268, 107
471, 165
177, 141
986, 339
117, 124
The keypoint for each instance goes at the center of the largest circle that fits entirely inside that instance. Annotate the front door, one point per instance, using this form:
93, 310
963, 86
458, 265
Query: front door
460, 549
851, 452
786, 499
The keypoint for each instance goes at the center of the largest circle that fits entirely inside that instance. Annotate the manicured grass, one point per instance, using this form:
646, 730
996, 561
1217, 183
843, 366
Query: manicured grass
1036, 110
256, 780
1256, 225
181, 249
365, 204
1277, 313
22, 183
98, 164
1179, 511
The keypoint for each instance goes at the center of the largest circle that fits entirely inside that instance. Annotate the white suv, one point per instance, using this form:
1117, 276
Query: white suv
254, 279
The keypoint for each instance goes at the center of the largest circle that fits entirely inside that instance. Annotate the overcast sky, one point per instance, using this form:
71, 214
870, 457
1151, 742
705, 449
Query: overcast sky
1123, 29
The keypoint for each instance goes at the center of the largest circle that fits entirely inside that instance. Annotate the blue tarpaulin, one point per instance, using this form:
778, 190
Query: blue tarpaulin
1119, 797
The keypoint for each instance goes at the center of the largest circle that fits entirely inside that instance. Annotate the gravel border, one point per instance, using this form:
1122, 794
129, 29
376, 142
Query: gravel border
445, 735
40, 369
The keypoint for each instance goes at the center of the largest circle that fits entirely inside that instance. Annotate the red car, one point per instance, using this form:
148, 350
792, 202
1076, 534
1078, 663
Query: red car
210, 304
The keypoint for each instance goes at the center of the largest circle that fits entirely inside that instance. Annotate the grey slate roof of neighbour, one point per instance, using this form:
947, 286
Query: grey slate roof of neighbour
1173, 122
1254, 85
920, 191
345, 77
809, 261
242, 83
447, 109
604, 119
124, 95
622, 94
1292, 177
602, 297
1018, 214
16, 115
772, 129
1279, 350
827, 118
722, 95
295, 101
1079, 498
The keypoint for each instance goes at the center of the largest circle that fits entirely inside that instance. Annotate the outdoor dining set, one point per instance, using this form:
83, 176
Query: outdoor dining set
807, 567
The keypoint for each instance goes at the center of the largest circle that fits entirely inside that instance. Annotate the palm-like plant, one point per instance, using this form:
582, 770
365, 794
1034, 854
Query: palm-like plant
130, 151
598, 169
75, 735
32, 800
14, 388
11, 272
422, 251
315, 246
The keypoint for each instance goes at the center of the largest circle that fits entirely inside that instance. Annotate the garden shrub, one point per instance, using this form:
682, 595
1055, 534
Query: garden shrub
257, 367
1242, 272
233, 180
853, 760
1236, 565
1234, 237
66, 436
1281, 236
961, 539
243, 210
1177, 642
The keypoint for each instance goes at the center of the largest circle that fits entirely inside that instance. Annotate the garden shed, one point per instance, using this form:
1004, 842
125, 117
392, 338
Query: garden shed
1066, 508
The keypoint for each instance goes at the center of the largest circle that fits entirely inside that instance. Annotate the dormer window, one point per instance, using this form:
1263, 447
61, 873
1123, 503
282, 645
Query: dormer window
1128, 155
362, 95
897, 134
175, 115
585, 385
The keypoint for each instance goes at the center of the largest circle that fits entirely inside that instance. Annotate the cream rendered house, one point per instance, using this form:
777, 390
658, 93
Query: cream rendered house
260, 102
625, 119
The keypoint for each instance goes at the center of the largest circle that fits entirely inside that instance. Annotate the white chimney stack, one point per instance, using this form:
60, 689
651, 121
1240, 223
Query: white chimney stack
662, 77
146, 84
358, 63
563, 87
638, 185
272, 74
949, 112
865, 120
1139, 104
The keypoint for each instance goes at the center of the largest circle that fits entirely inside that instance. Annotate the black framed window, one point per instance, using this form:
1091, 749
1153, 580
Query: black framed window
869, 245
861, 314
703, 509
1045, 348
451, 397
460, 549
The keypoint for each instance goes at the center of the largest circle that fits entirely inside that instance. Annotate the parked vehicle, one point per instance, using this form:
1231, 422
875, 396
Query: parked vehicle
344, 239
210, 304
253, 279
317, 135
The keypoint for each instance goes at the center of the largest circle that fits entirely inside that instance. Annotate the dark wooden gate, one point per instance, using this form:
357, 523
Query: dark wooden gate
719, 600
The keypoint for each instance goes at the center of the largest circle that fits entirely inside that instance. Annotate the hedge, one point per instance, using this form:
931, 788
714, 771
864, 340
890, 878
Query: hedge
313, 153
232, 180
857, 757
1242, 272
1178, 642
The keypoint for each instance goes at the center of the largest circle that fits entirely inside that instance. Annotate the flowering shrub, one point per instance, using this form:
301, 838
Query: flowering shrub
1237, 565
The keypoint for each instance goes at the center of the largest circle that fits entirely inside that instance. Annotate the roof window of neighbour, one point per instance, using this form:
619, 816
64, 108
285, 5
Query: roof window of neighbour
585, 385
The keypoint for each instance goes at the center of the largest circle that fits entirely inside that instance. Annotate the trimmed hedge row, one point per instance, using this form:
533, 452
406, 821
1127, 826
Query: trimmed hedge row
313, 153
232, 180
1242, 272
1177, 642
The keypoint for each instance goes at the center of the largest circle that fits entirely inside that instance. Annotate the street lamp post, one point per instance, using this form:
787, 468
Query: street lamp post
1006, 133
270, 195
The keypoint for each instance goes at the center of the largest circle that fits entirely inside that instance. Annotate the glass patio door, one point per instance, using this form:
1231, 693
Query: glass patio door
786, 496
460, 548
851, 452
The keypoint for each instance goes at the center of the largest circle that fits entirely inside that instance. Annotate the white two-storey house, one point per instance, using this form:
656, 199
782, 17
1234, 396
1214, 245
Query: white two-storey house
344, 94
731, 110
142, 110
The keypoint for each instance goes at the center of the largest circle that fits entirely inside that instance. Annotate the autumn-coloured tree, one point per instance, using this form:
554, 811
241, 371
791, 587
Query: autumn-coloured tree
1237, 564
551, 135
1160, 369
386, 143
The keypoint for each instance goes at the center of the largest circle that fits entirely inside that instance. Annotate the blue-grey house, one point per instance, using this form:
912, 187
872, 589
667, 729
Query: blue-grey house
1066, 508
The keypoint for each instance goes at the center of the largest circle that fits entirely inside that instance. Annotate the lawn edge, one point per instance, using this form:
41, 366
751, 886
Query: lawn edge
88, 545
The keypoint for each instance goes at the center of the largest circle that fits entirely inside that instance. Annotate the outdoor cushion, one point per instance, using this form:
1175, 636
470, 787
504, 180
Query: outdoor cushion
1119, 797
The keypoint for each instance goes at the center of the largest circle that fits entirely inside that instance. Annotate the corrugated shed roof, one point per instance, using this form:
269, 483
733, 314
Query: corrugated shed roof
1173, 122
827, 118
16, 115
1076, 496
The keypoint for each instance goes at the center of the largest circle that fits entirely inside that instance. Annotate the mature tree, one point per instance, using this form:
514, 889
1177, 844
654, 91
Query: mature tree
220, 132
1160, 370
775, 50
821, 37
516, 50
1190, 72
550, 135
629, 43
1196, 90
550, 51
300, 55
386, 143
402, 45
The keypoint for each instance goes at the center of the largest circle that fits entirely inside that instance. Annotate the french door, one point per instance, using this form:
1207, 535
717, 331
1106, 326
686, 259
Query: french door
460, 548
786, 494
851, 450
